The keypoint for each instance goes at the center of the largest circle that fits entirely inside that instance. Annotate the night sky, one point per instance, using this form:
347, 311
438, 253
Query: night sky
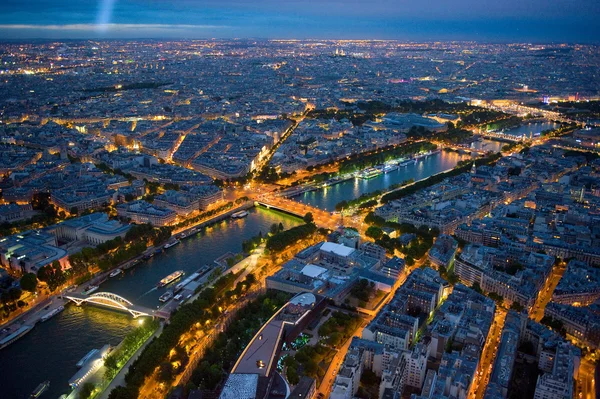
483, 20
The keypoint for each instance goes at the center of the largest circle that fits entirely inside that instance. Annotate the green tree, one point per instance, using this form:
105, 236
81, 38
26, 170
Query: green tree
111, 366
374, 232
52, 275
308, 218
15, 293
292, 375
341, 205
165, 372
373, 219
29, 282
86, 390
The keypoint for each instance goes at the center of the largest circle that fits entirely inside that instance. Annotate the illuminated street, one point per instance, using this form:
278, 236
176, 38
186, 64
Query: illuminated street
415, 176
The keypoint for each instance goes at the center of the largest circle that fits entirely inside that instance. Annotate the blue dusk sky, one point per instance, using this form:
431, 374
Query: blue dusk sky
480, 20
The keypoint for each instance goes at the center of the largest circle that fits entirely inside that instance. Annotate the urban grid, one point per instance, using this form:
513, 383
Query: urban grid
242, 218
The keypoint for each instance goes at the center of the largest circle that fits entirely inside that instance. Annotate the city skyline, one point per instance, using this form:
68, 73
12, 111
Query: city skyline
329, 199
484, 21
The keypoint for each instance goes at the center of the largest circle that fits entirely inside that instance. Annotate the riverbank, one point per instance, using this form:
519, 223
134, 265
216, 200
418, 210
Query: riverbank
32, 316
51, 350
119, 379
30, 319
328, 197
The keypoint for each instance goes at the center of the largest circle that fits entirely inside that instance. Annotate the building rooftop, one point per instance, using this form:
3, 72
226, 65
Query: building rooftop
338, 249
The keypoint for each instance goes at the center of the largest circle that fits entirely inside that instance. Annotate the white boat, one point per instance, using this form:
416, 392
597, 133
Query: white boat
115, 273
239, 215
37, 392
370, 173
9, 339
389, 168
170, 278
166, 296
52, 313
171, 244
90, 289
87, 357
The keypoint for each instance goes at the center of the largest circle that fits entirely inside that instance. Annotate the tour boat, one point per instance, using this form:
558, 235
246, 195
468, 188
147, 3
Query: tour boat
171, 244
4, 342
52, 313
166, 296
87, 357
239, 215
370, 173
115, 273
40, 389
389, 168
90, 289
170, 278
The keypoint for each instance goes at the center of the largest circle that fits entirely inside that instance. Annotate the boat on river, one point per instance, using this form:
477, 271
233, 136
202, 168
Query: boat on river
90, 289
369, 173
239, 215
9, 339
389, 168
115, 273
85, 359
171, 244
170, 278
40, 389
52, 313
166, 296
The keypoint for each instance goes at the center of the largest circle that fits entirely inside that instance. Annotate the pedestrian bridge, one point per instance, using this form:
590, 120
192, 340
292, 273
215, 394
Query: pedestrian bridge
113, 301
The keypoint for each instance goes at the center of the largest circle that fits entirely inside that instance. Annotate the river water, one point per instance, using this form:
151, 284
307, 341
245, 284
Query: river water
51, 350
328, 197
531, 129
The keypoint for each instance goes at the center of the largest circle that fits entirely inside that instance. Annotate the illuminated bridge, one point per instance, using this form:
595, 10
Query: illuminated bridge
112, 301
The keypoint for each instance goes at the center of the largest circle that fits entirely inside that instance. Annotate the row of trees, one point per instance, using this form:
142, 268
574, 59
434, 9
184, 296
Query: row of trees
118, 250
208, 214
336, 330
362, 161
453, 135
253, 242
166, 347
132, 342
361, 202
283, 239
227, 347
10, 299
461, 167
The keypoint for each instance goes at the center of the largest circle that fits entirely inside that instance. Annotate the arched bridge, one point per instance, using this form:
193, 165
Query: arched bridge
110, 300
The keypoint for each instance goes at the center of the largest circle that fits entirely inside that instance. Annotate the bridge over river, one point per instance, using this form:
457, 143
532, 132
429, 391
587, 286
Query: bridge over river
114, 301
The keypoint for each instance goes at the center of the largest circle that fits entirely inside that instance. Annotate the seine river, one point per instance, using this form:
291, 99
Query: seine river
51, 350
531, 129
328, 197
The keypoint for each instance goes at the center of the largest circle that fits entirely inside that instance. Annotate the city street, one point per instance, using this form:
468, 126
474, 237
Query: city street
488, 355
545, 294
